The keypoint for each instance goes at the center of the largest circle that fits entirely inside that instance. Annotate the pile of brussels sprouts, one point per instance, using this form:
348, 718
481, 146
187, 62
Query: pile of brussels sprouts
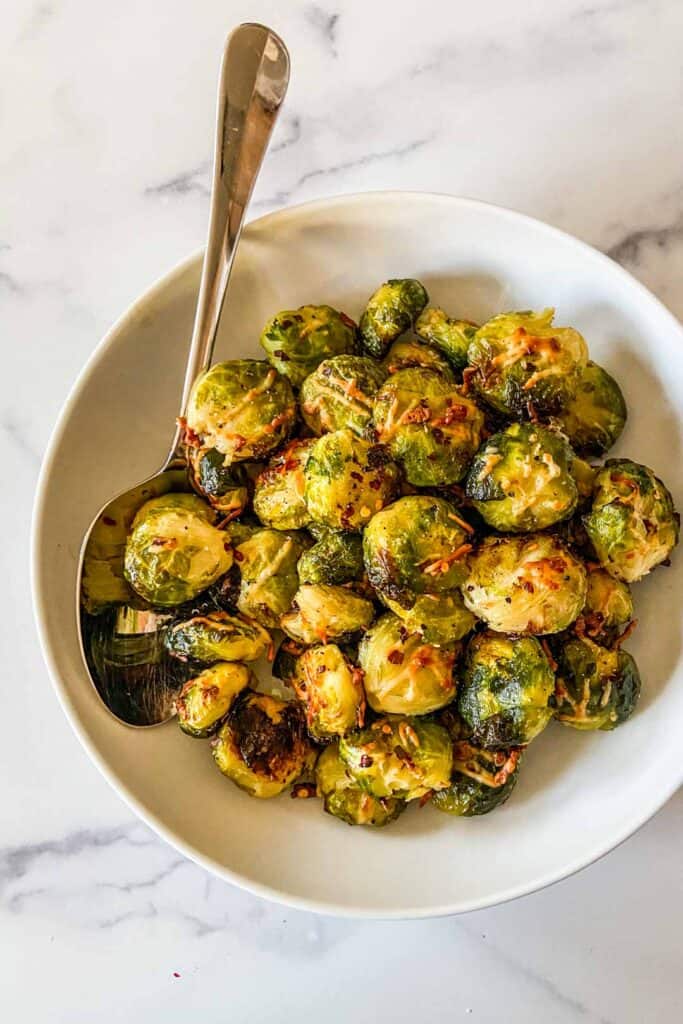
407, 508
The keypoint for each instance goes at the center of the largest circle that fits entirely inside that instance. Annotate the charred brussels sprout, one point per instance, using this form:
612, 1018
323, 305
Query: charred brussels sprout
279, 492
390, 311
217, 636
608, 607
429, 426
335, 558
519, 360
340, 393
344, 798
243, 408
438, 618
268, 578
594, 418
320, 613
174, 551
521, 480
399, 757
596, 688
403, 674
482, 779
297, 340
406, 354
529, 584
262, 746
347, 480
452, 337
331, 690
505, 689
205, 700
414, 546
226, 488
632, 524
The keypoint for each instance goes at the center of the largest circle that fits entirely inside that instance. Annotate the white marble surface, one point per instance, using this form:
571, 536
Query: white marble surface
567, 110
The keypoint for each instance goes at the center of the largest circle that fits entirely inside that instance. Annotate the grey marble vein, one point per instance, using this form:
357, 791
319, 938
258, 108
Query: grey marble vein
628, 249
325, 25
15, 861
183, 183
365, 160
292, 134
9, 283
14, 434
147, 883
517, 965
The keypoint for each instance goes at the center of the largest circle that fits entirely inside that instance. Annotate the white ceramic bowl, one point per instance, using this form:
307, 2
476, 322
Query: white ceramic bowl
579, 795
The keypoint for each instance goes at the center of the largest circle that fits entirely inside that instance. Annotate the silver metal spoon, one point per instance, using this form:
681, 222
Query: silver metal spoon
121, 641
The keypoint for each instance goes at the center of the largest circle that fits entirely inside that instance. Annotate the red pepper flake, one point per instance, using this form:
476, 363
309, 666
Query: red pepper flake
303, 791
108, 520
348, 321
239, 557
175, 974
425, 798
395, 657
365, 761
548, 654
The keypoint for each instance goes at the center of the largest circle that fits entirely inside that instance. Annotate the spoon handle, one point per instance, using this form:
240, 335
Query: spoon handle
253, 83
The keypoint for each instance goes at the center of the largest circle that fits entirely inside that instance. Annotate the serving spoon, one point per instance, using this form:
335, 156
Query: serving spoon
121, 641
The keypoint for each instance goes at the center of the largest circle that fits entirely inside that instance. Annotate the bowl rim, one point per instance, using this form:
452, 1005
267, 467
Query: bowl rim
39, 516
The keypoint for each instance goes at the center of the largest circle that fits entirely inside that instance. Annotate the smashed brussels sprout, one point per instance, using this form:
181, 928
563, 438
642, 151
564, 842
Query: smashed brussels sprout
414, 546
438, 618
520, 480
297, 340
335, 558
347, 480
226, 488
608, 607
482, 779
403, 674
525, 584
267, 564
279, 490
399, 757
343, 797
505, 689
390, 311
320, 613
262, 746
340, 393
406, 354
452, 337
331, 690
632, 524
205, 700
243, 408
429, 426
217, 636
595, 417
596, 688
174, 551
520, 361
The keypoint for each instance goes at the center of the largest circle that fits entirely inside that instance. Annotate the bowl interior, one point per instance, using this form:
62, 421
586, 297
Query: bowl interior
578, 795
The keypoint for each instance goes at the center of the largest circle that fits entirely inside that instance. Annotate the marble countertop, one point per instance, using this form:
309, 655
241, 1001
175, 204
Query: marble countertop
569, 111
